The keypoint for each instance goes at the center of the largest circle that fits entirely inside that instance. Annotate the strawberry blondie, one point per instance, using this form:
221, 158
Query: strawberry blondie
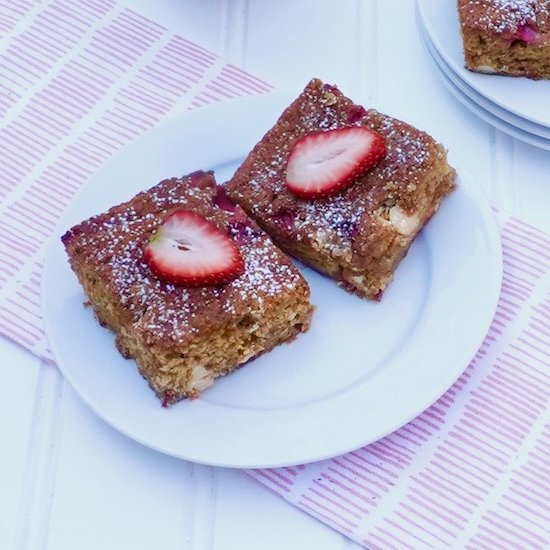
190, 285
343, 189
509, 37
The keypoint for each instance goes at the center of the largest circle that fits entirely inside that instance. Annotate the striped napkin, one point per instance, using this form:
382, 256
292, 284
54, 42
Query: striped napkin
79, 79
472, 471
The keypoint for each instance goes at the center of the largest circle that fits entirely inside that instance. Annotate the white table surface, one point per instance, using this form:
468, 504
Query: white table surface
67, 480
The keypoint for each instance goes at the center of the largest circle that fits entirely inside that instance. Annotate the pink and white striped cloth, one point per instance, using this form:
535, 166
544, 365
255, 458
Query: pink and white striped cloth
79, 79
472, 471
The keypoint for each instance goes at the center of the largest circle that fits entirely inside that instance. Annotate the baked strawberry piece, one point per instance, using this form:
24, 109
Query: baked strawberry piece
190, 285
343, 189
509, 37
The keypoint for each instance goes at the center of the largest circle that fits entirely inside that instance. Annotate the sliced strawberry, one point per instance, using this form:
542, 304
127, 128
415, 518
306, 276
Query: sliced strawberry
190, 251
323, 163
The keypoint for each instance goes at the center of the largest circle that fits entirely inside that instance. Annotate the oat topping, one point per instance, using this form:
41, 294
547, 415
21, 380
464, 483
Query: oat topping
359, 234
335, 220
114, 243
506, 16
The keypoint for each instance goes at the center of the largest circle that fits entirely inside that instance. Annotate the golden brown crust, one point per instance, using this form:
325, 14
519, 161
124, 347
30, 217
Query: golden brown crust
504, 16
359, 235
182, 338
509, 37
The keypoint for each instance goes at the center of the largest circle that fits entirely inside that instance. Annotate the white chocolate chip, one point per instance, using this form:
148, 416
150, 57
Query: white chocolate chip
486, 69
201, 378
404, 224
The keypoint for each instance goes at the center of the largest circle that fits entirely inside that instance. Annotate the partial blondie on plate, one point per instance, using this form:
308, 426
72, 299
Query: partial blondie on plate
508, 37
235, 294
395, 179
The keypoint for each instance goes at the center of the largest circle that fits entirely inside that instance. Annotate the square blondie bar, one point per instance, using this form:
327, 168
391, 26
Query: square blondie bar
359, 235
508, 37
184, 338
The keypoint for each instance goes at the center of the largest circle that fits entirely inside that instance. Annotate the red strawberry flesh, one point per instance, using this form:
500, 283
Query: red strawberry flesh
221, 200
527, 33
188, 250
323, 163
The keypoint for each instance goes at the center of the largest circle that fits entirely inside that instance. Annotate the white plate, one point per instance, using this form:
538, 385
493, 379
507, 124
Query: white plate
482, 101
456, 88
362, 371
526, 98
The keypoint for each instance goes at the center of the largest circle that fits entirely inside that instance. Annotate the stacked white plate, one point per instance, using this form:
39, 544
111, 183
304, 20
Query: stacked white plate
518, 106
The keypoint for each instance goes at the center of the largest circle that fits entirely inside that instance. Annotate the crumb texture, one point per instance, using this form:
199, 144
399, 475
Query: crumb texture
509, 37
184, 338
505, 16
359, 235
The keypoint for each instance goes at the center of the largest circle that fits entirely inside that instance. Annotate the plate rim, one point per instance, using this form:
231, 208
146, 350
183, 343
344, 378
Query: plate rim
489, 223
484, 114
479, 99
472, 78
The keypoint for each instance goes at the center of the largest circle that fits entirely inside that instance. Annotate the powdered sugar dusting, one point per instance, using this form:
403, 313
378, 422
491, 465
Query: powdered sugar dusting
111, 246
332, 225
506, 16
264, 273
